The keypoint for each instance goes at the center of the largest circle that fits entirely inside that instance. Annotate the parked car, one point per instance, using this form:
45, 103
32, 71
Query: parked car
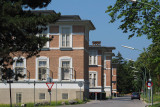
135, 95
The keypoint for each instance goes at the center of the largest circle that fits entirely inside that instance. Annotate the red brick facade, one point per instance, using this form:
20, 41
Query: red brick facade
103, 69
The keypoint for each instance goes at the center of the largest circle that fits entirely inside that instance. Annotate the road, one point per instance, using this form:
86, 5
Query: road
115, 102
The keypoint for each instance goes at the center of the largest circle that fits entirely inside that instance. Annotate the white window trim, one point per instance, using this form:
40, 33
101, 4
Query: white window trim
105, 79
44, 96
47, 46
21, 96
65, 93
91, 54
60, 36
24, 61
65, 58
95, 72
48, 71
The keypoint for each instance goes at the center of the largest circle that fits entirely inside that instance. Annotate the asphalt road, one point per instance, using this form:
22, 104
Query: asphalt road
115, 102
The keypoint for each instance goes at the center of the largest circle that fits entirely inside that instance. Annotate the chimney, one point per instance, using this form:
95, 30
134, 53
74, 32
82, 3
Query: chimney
96, 43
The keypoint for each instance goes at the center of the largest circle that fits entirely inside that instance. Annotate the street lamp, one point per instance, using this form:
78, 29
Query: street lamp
131, 0
143, 3
145, 71
131, 48
128, 47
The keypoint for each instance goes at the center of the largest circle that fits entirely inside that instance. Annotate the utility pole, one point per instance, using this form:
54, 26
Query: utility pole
10, 92
34, 93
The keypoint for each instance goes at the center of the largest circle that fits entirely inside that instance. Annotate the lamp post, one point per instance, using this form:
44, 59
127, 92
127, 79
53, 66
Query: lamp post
148, 69
137, 50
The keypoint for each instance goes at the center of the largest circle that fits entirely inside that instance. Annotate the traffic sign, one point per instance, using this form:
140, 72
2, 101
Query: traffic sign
50, 85
80, 83
149, 84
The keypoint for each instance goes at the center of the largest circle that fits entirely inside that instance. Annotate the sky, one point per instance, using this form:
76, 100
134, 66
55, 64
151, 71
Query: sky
107, 33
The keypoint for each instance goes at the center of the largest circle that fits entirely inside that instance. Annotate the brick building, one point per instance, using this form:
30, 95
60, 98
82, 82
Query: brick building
65, 59
100, 70
114, 79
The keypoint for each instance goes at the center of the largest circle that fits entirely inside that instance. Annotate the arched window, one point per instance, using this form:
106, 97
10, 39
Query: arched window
42, 68
19, 67
65, 68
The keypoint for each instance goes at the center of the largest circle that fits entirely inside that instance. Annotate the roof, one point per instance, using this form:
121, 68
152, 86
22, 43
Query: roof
43, 11
101, 47
106, 50
67, 18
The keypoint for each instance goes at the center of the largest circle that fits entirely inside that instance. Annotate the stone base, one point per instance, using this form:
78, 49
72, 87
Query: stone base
27, 95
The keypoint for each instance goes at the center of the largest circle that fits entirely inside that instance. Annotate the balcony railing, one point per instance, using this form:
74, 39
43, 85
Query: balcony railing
92, 82
66, 74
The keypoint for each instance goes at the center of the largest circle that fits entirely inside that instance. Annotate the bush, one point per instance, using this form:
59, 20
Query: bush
4, 105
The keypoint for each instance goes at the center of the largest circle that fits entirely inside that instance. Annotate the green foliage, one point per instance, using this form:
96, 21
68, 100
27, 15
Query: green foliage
125, 79
19, 28
53, 104
155, 105
150, 59
4, 105
139, 18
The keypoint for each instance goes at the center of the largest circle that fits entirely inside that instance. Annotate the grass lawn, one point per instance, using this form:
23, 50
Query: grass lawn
53, 104
156, 99
155, 105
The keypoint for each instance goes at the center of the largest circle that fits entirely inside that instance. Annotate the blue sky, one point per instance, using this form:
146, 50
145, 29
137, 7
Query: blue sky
107, 33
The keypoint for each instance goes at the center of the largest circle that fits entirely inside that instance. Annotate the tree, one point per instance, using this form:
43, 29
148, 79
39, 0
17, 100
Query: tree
152, 64
19, 27
137, 18
125, 79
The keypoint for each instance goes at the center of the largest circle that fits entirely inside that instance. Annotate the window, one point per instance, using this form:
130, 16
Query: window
65, 68
93, 58
45, 33
42, 70
66, 40
18, 98
20, 66
64, 95
92, 79
41, 96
